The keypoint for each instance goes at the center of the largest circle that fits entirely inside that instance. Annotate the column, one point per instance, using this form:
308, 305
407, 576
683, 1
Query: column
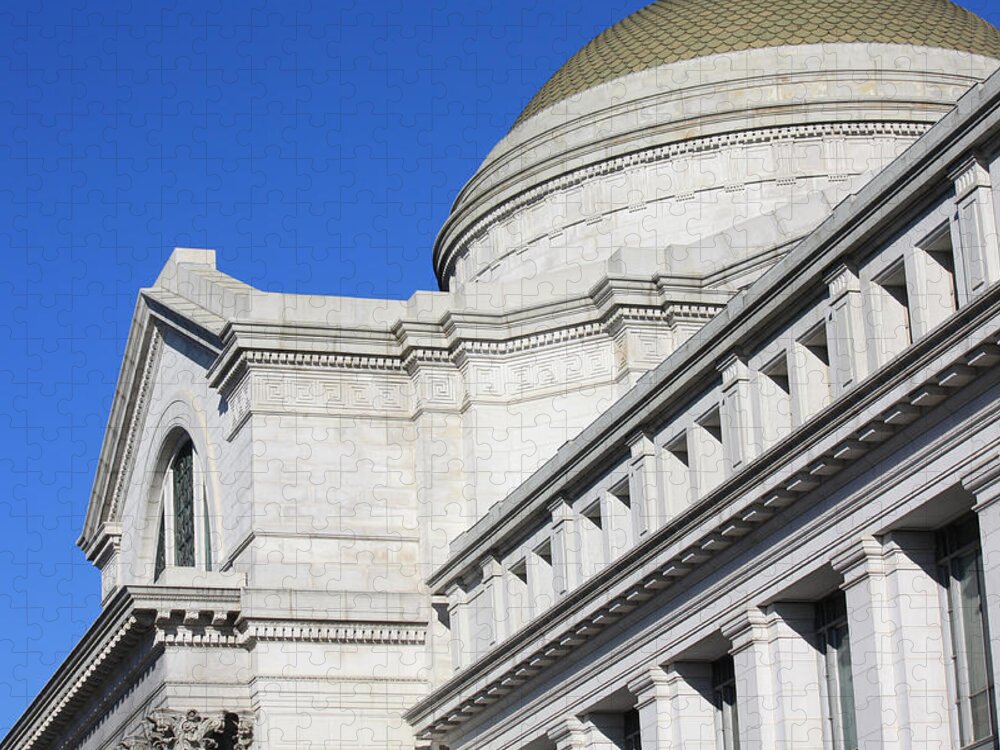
495, 595
754, 668
692, 713
675, 707
568, 734
846, 336
648, 508
777, 677
653, 704
457, 624
920, 663
739, 437
898, 661
984, 485
603, 731
567, 555
870, 627
975, 236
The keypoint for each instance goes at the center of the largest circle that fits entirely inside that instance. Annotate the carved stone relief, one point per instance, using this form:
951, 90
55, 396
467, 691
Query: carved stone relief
191, 730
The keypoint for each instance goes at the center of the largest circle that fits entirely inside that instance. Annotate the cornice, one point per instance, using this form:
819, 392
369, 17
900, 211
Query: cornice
903, 187
459, 231
125, 422
599, 602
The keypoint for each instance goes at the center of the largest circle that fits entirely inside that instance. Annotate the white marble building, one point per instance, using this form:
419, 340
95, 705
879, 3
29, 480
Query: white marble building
697, 448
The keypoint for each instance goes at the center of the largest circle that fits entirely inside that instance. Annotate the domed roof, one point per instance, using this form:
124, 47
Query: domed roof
670, 31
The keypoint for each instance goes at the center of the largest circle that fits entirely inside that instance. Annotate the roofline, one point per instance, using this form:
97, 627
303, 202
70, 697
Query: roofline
913, 177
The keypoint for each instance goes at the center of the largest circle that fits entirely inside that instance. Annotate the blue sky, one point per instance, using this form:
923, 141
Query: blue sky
318, 149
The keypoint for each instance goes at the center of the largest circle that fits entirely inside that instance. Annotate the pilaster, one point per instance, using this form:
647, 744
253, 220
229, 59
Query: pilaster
567, 555
777, 673
568, 734
984, 484
845, 330
739, 438
653, 704
978, 259
643, 476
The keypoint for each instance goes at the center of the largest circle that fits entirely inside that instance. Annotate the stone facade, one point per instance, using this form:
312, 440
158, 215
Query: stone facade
711, 391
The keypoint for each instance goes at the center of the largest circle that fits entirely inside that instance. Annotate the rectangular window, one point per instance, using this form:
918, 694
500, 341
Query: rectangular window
620, 521
891, 302
677, 470
182, 472
592, 537
632, 735
961, 568
710, 462
938, 259
834, 643
518, 601
775, 399
727, 725
812, 374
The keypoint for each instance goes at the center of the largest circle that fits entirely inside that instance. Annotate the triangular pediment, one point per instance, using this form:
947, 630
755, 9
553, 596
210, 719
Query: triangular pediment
160, 311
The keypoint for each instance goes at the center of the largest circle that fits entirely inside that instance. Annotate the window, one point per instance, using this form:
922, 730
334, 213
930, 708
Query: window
834, 643
632, 739
592, 537
710, 464
677, 470
961, 568
518, 601
812, 366
183, 516
620, 521
937, 256
727, 725
775, 400
891, 301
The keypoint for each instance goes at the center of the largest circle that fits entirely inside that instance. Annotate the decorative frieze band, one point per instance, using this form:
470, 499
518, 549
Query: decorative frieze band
191, 730
782, 135
337, 633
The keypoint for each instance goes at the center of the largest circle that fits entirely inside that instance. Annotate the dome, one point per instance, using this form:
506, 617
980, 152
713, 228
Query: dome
667, 143
669, 31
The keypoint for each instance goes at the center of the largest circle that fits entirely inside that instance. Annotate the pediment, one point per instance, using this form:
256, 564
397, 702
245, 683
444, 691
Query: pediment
159, 314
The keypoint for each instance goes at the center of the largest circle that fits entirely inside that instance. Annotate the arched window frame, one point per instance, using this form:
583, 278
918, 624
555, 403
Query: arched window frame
166, 538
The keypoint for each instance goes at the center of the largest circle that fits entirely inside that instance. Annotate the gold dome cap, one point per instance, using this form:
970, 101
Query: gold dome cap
669, 31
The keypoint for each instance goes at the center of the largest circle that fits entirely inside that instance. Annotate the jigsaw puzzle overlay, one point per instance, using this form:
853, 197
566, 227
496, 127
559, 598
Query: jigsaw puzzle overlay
690, 438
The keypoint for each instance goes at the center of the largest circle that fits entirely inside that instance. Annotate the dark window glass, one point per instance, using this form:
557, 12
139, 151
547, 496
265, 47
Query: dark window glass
208, 533
161, 548
961, 564
724, 698
183, 486
834, 643
633, 740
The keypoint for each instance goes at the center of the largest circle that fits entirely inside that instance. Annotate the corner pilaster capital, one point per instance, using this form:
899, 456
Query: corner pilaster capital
491, 567
649, 685
734, 370
641, 444
456, 596
968, 176
568, 733
745, 629
841, 280
862, 560
983, 482
561, 510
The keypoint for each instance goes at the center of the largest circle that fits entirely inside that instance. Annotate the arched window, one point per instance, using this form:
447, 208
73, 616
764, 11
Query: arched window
183, 537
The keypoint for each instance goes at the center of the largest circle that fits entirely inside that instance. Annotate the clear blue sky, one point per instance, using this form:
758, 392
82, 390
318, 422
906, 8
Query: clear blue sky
317, 149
